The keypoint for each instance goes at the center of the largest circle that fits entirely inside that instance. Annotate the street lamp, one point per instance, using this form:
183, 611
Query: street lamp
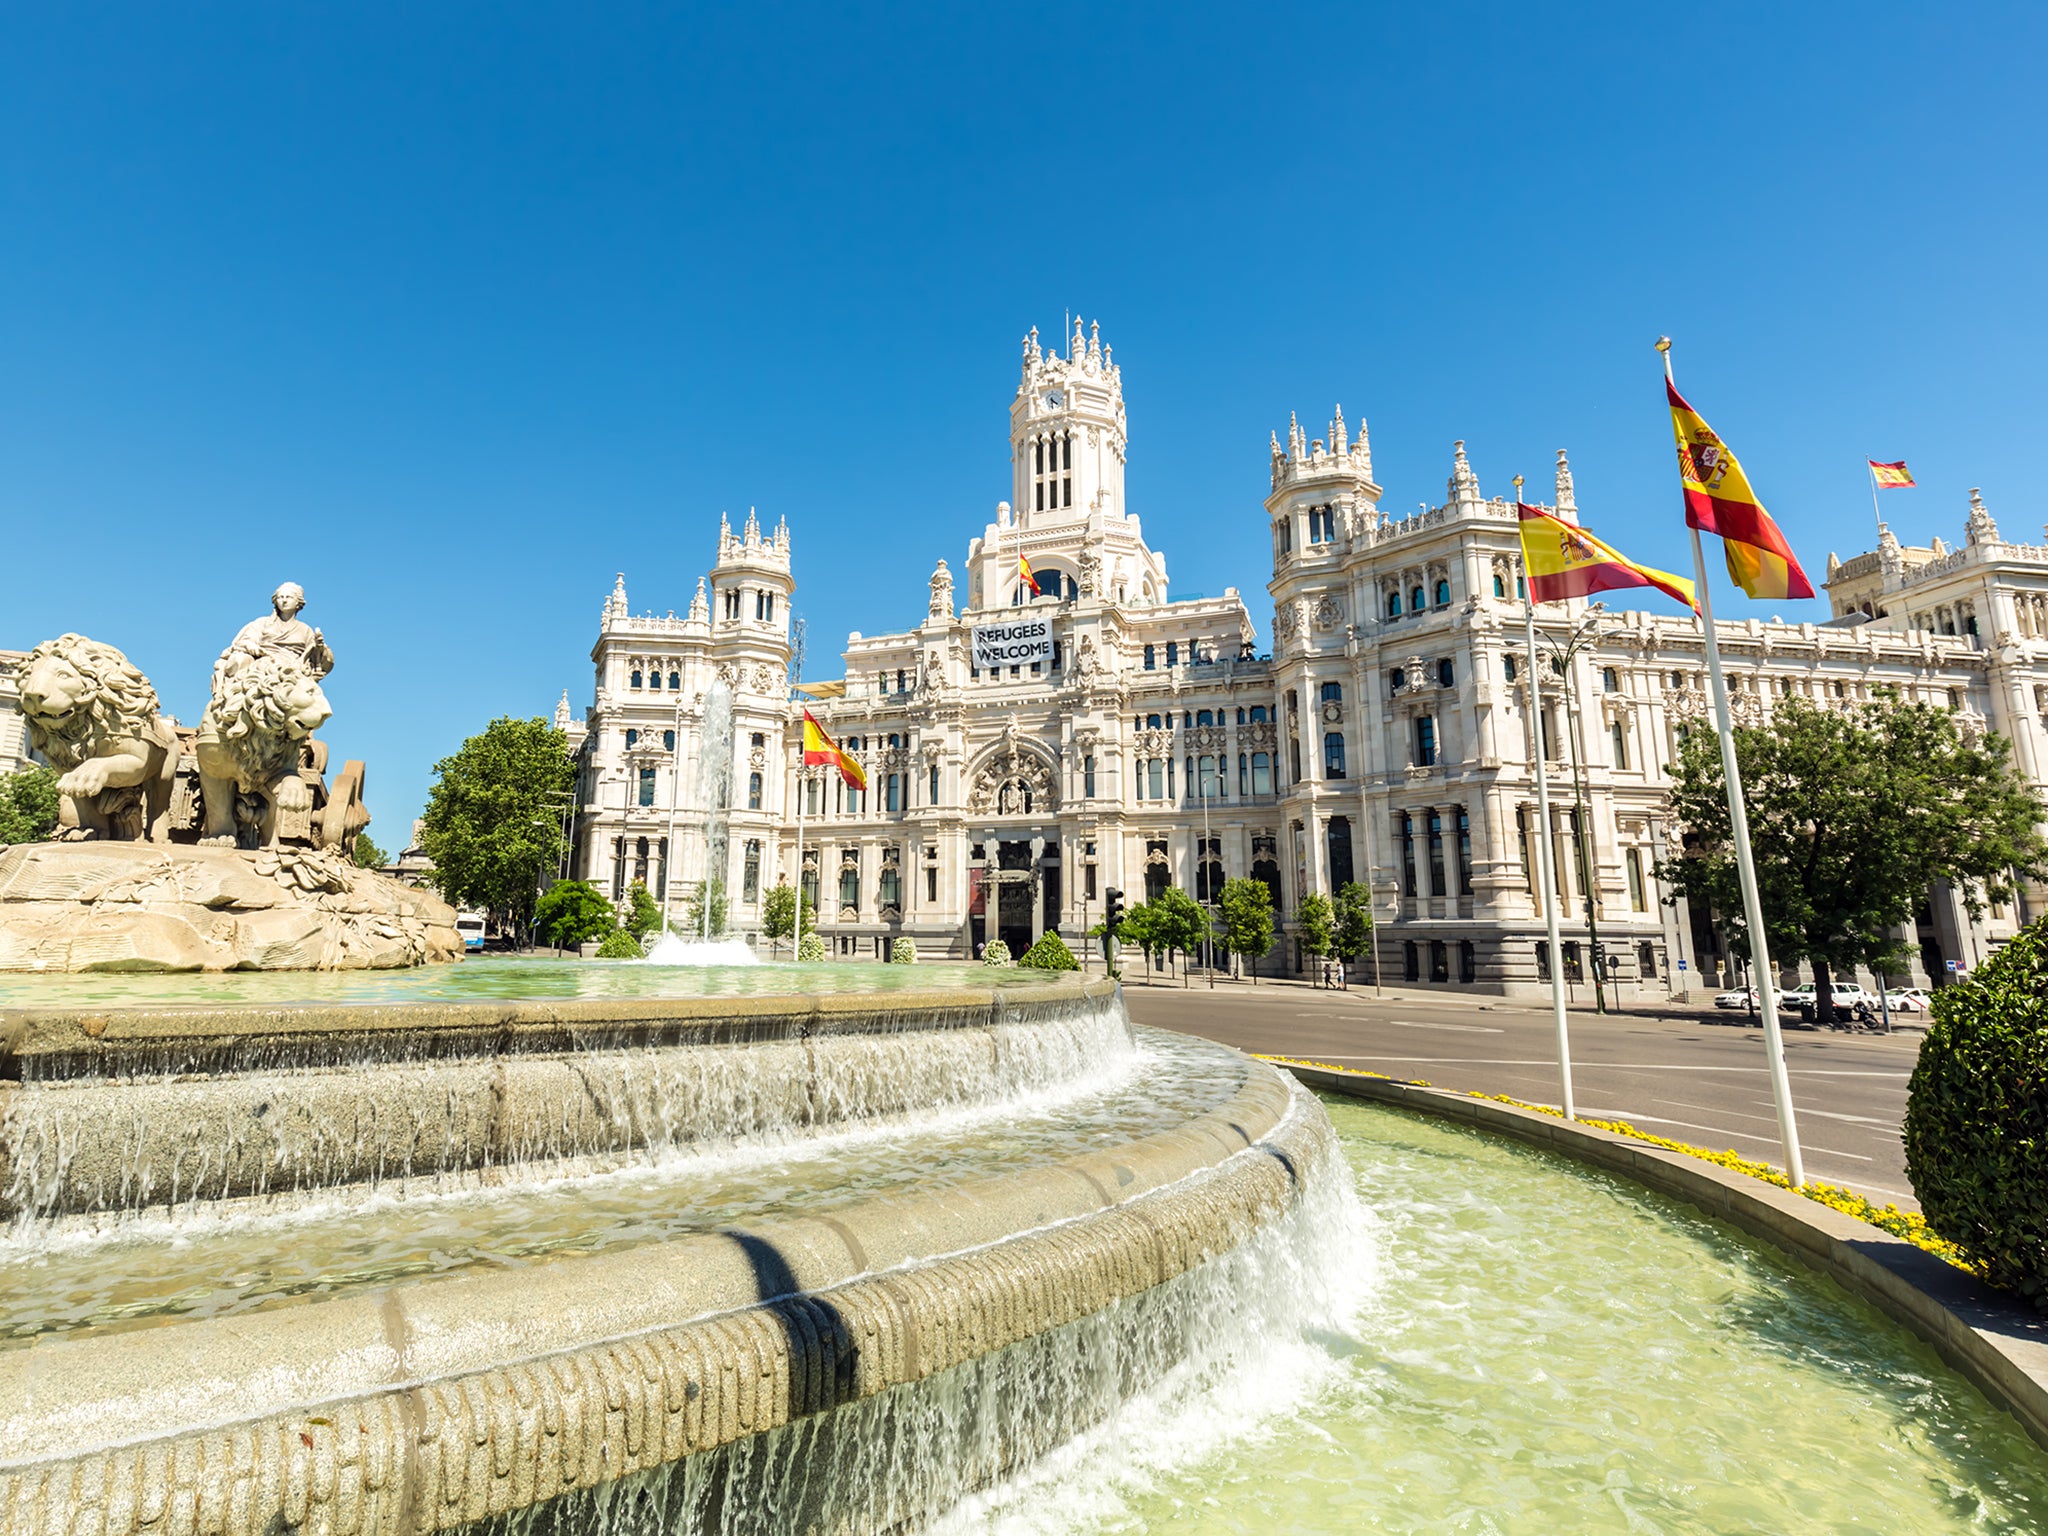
1582, 635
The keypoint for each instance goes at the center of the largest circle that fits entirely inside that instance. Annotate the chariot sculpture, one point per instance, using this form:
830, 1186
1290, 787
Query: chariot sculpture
251, 775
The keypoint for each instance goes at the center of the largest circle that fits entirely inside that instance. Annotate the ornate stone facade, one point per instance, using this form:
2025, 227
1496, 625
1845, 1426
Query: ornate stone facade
1386, 739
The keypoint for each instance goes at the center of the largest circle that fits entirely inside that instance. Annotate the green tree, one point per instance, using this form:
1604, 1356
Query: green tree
1353, 913
1246, 920
711, 893
1182, 925
778, 913
367, 854
1140, 926
1851, 816
493, 822
28, 805
573, 912
1315, 925
643, 914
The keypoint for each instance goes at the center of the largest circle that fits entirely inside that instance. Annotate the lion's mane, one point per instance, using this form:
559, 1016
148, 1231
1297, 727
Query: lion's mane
247, 716
120, 704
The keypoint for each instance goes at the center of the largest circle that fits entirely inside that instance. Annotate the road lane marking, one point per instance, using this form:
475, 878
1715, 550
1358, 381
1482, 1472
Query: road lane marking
1718, 1130
1462, 1029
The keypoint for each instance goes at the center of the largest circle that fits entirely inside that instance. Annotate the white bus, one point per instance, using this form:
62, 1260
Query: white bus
471, 926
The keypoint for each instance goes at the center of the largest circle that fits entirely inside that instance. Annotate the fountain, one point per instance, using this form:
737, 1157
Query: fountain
705, 1245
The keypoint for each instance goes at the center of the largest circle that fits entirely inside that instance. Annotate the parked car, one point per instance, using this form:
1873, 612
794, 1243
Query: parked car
1742, 997
1908, 1000
1804, 999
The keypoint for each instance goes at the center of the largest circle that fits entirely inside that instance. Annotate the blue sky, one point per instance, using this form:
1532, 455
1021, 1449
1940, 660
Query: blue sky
450, 312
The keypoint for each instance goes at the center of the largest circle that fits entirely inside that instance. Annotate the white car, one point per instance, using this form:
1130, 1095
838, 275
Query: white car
1742, 997
1908, 1000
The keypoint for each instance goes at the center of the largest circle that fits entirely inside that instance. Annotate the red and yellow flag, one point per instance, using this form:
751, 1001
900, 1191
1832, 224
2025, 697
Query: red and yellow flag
1024, 575
1891, 477
1563, 561
821, 750
1718, 500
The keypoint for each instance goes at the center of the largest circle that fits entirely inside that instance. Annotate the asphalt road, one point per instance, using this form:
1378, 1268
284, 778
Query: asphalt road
1693, 1076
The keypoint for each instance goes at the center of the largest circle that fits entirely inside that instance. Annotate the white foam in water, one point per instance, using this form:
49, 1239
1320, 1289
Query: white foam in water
674, 949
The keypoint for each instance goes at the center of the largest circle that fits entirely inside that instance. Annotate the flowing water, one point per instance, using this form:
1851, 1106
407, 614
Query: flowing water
674, 949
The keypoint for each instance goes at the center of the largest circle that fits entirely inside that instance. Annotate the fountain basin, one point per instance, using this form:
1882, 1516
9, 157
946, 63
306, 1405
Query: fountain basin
430, 1406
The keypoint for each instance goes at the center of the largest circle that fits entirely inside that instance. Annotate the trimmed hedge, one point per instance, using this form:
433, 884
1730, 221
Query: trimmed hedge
903, 951
620, 945
1050, 953
1977, 1117
995, 952
810, 947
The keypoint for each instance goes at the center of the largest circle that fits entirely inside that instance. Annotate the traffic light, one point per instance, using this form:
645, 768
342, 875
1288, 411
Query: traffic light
1113, 909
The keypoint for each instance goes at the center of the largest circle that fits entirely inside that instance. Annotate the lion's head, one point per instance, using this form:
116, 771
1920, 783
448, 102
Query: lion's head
262, 710
79, 695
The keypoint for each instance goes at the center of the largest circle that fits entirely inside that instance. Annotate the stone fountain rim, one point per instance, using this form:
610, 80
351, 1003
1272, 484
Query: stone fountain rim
451, 1332
93, 1040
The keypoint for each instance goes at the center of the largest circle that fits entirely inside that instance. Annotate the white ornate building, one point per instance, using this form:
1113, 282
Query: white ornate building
14, 753
1385, 739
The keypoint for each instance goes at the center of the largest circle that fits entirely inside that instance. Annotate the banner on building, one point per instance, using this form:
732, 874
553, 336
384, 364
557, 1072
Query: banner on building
1012, 644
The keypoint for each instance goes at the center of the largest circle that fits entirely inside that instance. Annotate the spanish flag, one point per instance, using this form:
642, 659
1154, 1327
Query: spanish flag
1562, 561
1024, 575
821, 750
1891, 477
1718, 500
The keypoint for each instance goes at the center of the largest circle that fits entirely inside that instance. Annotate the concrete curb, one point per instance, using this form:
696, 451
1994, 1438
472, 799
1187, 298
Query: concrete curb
430, 1406
1999, 1345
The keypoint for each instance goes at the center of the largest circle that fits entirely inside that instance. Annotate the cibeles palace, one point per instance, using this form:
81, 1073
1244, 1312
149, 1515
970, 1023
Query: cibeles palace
1383, 736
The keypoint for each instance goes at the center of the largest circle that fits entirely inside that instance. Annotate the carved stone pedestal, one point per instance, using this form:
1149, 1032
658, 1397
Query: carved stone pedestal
111, 906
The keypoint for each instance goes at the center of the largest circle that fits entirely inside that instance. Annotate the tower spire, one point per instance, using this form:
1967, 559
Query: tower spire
1464, 485
1567, 498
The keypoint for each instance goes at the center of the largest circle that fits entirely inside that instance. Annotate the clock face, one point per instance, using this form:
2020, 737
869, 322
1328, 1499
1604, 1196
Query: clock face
1055, 400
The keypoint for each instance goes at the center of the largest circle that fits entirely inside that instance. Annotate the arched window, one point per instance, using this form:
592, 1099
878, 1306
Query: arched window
750, 887
1333, 755
1205, 717
753, 791
637, 676
1446, 673
675, 681
1415, 600
1610, 680
654, 681
668, 741
1425, 742
1333, 693
632, 740
1443, 592
849, 888
1500, 586
1393, 608
1258, 712
1397, 679
1507, 666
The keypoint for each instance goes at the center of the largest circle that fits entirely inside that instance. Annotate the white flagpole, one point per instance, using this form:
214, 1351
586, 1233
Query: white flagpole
797, 928
1544, 877
1876, 516
1738, 821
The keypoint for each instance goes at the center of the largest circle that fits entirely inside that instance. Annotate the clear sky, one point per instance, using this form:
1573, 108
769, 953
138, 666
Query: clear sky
449, 312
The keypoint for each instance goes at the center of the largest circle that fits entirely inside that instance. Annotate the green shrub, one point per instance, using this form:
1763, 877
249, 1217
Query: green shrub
810, 947
1977, 1117
903, 952
1050, 953
995, 952
620, 945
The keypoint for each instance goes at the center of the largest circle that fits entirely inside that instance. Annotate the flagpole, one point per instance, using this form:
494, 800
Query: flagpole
1545, 879
1875, 515
1738, 821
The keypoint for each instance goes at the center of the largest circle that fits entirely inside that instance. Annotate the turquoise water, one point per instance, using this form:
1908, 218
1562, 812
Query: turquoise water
497, 977
1543, 1349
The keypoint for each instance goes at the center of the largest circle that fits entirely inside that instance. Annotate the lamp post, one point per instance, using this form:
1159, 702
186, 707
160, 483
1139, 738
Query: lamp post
1582, 634
1202, 875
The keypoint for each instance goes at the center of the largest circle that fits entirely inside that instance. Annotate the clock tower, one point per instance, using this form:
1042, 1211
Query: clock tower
1067, 434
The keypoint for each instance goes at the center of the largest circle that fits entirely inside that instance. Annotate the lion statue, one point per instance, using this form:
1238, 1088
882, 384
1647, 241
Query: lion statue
252, 741
97, 720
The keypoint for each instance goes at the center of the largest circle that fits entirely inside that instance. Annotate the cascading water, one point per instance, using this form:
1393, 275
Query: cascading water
714, 803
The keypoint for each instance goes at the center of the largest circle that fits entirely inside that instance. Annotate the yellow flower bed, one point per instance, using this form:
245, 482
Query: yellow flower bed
1889, 1218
